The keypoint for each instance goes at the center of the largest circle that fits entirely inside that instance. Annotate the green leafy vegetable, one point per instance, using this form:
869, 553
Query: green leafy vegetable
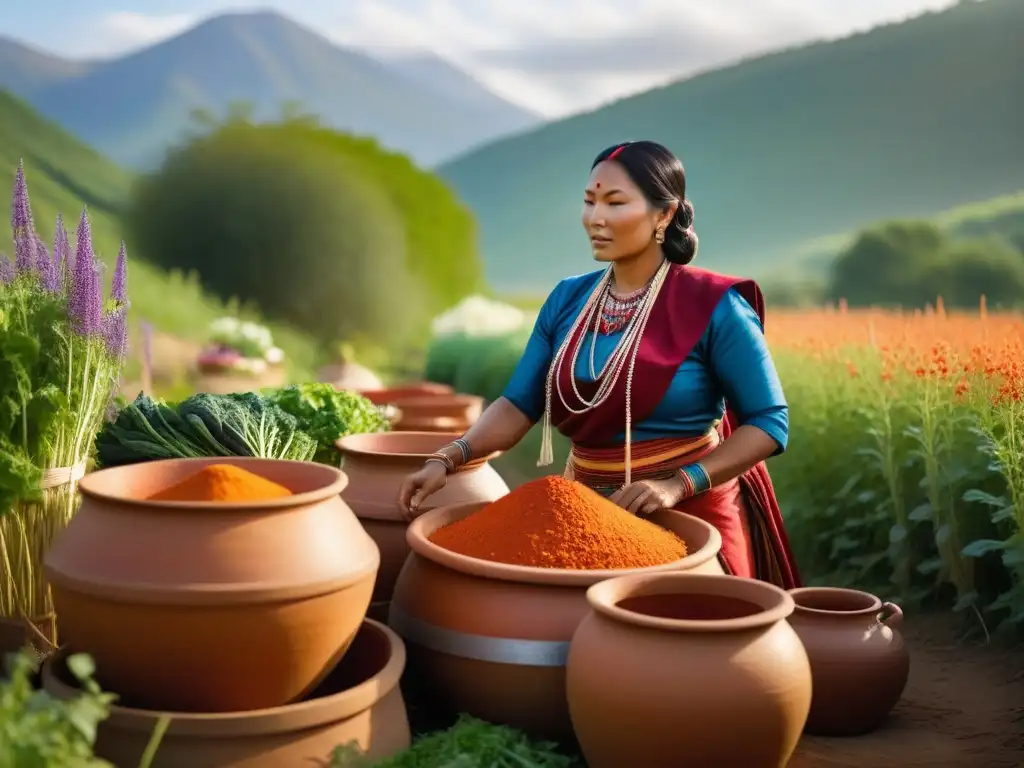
328, 414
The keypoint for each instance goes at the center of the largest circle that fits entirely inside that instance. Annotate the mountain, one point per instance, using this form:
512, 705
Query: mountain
133, 107
24, 69
907, 119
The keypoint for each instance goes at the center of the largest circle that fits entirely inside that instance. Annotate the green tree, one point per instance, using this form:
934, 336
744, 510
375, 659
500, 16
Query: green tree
281, 223
970, 268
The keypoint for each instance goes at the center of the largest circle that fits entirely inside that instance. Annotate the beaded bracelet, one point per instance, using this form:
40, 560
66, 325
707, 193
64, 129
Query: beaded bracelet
695, 478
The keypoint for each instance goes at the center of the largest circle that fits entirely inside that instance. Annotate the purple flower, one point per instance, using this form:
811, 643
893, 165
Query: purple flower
115, 332
24, 250
85, 305
49, 276
61, 249
119, 285
7, 271
21, 211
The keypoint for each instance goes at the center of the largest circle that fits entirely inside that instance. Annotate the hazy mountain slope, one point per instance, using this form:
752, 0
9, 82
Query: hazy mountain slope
908, 119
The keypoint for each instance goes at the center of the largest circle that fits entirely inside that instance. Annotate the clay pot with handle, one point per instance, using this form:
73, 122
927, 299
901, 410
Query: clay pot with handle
491, 639
212, 606
858, 658
680, 669
376, 464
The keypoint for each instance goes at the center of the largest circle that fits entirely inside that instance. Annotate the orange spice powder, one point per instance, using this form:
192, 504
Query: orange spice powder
557, 523
222, 482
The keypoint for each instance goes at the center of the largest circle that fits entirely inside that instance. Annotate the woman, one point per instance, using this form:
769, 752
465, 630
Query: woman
636, 363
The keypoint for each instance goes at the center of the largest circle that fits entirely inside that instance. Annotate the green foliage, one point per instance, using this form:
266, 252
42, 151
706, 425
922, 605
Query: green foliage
327, 415
40, 731
911, 263
280, 223
779, 149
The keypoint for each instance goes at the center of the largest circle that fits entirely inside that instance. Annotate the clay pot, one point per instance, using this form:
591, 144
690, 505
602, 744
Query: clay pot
676, 669
409, 389
212, 607
430, 411
491, 639
359, 701
34, 634
859, 661
376, 465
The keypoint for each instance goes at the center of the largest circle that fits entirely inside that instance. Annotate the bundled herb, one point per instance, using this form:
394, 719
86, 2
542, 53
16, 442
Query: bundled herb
61, 350
329, 414
203, 425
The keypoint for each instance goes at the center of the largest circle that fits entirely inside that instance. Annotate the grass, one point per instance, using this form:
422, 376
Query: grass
63, 176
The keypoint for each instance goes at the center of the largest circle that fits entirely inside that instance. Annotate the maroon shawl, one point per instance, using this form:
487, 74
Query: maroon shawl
677, 322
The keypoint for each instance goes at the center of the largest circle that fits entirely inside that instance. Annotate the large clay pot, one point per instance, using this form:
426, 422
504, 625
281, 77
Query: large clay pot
859, 661
677, 669
360, 701
491, 639
405, 391
429, 411
32, 634
212, 607
376, 465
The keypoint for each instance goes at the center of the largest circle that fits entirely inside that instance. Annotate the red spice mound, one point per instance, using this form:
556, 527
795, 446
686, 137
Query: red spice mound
557, 523
222, 482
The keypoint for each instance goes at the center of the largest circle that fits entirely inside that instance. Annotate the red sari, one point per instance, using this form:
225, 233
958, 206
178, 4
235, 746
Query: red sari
745, 510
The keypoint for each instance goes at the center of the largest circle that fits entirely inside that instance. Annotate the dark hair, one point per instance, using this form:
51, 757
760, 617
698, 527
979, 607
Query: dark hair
660, 176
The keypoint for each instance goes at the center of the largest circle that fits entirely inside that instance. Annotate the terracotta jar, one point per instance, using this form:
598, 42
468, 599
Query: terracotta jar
430, 411
409, 389
376, 465
360, 701
677, 669
858, 658
207, 606
491, 639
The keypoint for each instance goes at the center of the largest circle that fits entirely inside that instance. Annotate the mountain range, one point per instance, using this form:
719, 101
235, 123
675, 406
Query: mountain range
907, 119
133, 107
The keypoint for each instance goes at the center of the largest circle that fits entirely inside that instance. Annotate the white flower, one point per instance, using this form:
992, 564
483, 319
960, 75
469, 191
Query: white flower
274, 355
479, 316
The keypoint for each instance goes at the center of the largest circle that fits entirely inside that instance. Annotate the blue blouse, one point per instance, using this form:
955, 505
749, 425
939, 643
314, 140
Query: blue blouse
731, 361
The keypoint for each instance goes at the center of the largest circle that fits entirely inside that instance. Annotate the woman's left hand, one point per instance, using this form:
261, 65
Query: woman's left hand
645, 497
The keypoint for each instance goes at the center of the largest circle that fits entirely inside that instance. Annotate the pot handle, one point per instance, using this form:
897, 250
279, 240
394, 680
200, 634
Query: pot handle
895, 618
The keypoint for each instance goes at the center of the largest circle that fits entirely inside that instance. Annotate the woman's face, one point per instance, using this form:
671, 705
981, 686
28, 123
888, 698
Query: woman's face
617, 217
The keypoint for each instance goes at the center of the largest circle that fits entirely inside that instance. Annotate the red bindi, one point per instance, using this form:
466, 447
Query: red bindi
598, 185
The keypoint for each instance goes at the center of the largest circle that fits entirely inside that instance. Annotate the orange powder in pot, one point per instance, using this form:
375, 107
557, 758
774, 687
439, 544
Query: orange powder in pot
557, 523
222, 482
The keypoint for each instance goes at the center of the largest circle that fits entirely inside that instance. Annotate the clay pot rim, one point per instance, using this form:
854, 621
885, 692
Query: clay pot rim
335, 481
350, 445
776, 603
873, 604
257, 722
425, 399
424, 525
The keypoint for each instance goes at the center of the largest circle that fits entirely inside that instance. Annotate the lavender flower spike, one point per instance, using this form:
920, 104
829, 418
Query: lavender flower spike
119, 285
115, 332
7, 271
24, 250
85, 304
45, 268
21, 211
61, 248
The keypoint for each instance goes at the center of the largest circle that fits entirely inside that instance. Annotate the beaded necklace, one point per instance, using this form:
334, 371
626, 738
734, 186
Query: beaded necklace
623, 357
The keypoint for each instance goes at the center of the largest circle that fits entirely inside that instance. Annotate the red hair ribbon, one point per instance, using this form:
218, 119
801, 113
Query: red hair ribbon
617, 151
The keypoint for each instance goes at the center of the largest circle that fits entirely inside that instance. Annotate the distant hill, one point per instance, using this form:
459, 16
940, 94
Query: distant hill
64, 175
132, 107
908, 119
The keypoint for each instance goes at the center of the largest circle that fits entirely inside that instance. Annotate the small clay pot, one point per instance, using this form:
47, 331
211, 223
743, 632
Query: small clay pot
376, 464
678, 669
430, 411
36, 635
858, 658
360, 701
491, 639
207, 606
410, 389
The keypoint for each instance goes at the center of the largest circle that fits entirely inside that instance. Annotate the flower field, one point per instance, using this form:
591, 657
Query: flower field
905, 471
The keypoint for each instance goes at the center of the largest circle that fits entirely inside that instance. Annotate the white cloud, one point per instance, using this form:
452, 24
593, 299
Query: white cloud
123, 31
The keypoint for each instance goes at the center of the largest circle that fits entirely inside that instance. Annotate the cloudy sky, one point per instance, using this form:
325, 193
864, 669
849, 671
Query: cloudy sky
554, 56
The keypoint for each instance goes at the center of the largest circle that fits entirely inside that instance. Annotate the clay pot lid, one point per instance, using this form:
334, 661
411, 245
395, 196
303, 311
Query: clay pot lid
835, 601
775, 603
416, 535
131, 484
310, 713
404, 446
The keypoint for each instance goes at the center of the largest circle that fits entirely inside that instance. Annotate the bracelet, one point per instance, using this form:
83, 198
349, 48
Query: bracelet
441, 458
467, 450
695, 479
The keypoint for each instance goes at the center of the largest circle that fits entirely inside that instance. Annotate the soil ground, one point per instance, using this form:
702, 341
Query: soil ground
963, 708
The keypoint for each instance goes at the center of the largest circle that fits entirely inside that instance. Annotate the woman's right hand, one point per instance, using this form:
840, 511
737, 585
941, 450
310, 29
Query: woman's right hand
418, 486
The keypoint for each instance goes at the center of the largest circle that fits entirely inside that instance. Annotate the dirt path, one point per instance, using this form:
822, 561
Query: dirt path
963, 708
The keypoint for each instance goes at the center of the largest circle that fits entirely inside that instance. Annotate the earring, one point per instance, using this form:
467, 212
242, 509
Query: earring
659, 236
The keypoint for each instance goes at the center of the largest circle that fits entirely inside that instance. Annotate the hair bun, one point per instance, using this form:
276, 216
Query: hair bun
680, 246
